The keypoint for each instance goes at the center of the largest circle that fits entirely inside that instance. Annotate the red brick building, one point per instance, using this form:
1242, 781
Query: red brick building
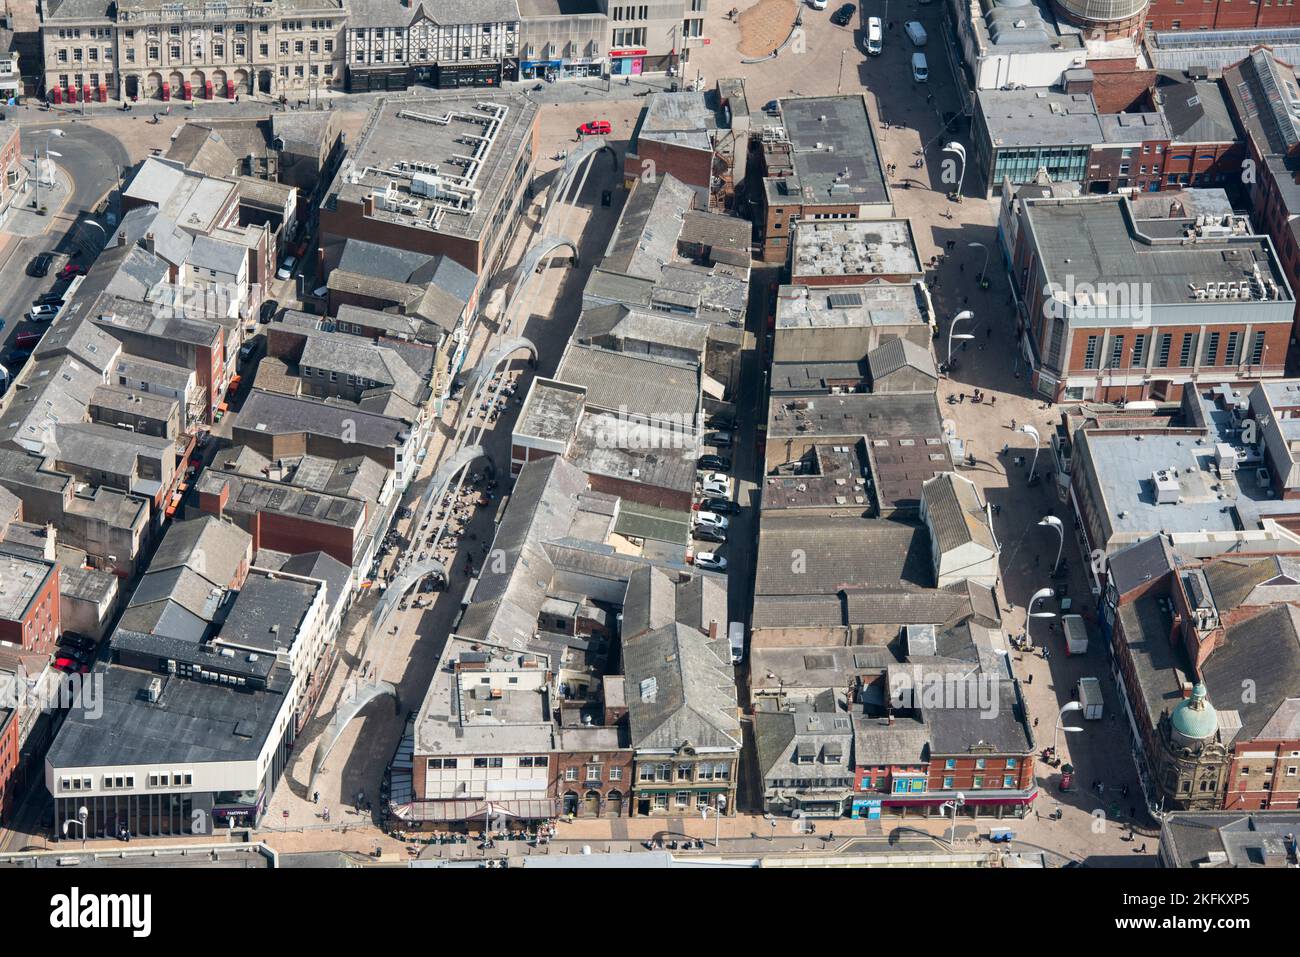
1220, 14
29, 603
9, 760
1116, 308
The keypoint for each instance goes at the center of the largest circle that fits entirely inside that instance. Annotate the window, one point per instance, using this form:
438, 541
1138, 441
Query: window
1090, 353
1257, 350
977, 782
950, 764
1187, 350
616, 774
1166, 343
593, 772
1211, 349
1116, 351
480, 762
947, 782
570, 774
979, 764
1139, 351
1231, 358
1008, 781
1012, 763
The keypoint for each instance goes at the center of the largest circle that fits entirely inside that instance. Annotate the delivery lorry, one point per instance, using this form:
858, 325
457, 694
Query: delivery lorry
1090, 698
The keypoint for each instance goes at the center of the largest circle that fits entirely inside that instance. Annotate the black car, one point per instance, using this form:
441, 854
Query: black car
714, 463
16, 357
40, 265
269, 309
771, 107
724, 423
720, 506
706, 533
49, 299
843, 15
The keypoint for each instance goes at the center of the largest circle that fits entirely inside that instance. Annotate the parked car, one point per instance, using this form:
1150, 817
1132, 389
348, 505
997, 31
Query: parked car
40, 265
65, 664
712, 520
920, 69
915, 32
70, 270
714, 463
875, 36
720, 439
76, 640
772, 107
28, 338
711, 561
16, 357
42, 313
843, 15
707, 533
48, 299
818, 4
719, 421
720, 506
716, 483
595, 128
287, 267
268, 311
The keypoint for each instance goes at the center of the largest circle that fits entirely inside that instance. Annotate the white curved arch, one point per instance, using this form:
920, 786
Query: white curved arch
482, 373
393, 595
348, 709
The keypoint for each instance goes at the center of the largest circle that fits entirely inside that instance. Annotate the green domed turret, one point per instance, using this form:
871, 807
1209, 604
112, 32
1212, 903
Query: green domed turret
1195, 718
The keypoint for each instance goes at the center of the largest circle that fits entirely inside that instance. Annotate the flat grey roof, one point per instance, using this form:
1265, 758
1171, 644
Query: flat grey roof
1096, 241
193, 722
839, 247
20, 581
846, 134
883, 304
552, 410
407, 135
268, 612
1039, 116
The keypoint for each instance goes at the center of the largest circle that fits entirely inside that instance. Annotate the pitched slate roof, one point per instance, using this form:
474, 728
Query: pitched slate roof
681, 688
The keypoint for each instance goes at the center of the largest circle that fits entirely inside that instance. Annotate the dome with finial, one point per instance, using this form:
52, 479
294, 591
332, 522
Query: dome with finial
1195, 718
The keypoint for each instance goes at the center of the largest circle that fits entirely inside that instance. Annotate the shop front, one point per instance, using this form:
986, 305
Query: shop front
450, 76
367, 79
994, 804
627, 62
549, 70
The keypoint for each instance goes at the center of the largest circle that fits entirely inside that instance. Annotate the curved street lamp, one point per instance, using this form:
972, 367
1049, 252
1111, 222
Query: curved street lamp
1032, 432
1051, 521
958, 801
1040, 595
962, 316
1065, 709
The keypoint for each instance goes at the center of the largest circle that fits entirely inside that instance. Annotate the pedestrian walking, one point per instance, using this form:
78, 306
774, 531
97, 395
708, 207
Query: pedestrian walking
961, 267
1035, 722
993, 400
1143, 848
1013, 425
1047, 655
1029, 680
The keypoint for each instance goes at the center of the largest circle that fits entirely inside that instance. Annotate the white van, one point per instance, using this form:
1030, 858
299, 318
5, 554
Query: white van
736, 639
915, 32
875, 37
920, 69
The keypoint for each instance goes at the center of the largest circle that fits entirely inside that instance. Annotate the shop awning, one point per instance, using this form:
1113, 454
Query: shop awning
449, 811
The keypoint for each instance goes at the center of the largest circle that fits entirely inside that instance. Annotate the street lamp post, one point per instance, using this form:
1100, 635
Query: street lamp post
717, 818
48, 133
80, 821
984, 268
960, 151
1032, 433
1051, 521
958, 801
1040, 595
1065, 709
960, 317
